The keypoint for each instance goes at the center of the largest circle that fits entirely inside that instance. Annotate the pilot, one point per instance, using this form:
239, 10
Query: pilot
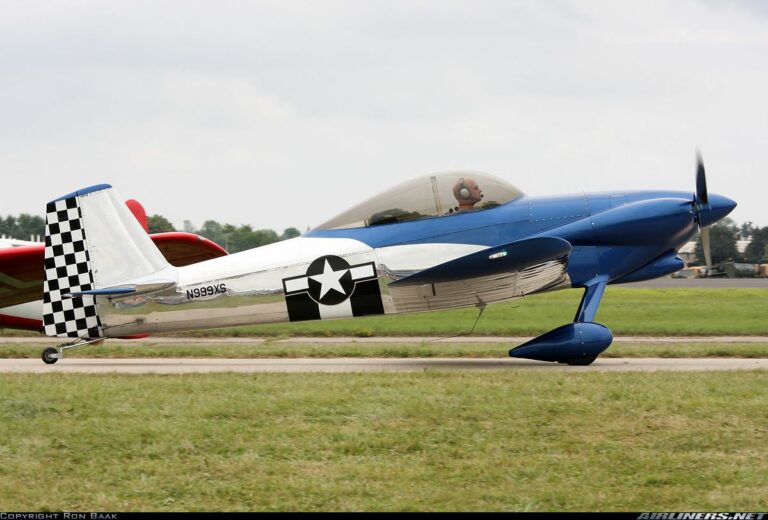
468, 193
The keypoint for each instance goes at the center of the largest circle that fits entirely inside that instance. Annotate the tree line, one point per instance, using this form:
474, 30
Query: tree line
230, 237
724, 236
23, 227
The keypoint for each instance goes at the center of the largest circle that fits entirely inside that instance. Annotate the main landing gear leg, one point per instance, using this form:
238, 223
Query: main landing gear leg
577, 343
593, 293
52, 354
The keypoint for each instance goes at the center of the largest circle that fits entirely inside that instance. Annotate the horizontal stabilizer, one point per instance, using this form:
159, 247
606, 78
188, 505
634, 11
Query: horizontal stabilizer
103, 292
125, 290
512, 257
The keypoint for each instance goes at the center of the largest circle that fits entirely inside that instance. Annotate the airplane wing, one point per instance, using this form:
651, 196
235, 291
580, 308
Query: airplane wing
21, 268
495, 274
182, 249
21, 274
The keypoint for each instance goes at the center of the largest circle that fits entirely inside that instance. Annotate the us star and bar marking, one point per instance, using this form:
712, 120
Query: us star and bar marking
332, 288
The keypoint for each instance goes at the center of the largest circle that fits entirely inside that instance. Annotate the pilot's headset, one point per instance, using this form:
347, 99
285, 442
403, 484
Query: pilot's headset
463, 190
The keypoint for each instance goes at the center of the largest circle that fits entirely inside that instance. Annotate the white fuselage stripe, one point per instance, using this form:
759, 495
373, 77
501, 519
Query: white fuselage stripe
342, 310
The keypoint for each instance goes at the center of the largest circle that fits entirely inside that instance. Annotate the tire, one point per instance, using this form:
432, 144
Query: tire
581, 361
47, 356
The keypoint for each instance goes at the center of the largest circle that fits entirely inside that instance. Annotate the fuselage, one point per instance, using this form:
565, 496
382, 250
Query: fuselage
336, 273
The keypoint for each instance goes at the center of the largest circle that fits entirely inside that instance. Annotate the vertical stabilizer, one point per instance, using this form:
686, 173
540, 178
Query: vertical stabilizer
92, 242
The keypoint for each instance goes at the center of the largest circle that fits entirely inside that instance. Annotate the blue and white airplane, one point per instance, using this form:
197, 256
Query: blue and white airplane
446, 240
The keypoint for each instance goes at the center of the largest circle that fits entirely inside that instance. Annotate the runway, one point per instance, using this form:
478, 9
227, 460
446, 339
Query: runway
699, 283
337, 365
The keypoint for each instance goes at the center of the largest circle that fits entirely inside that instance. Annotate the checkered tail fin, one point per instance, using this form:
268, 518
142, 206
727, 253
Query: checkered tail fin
92, 245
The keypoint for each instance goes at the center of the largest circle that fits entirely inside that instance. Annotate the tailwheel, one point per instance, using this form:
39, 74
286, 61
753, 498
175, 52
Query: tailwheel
581, 361
50, 356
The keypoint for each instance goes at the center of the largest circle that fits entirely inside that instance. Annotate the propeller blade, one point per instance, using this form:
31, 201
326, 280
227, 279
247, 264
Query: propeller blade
705, 246
701, 181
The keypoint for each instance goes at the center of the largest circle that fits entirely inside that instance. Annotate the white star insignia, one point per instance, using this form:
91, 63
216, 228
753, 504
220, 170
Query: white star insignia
329, 280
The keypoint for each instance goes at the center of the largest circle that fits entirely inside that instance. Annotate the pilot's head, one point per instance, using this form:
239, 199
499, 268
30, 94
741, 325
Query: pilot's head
467, 192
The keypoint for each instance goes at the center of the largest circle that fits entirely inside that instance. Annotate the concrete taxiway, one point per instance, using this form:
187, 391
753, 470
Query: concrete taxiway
209, 365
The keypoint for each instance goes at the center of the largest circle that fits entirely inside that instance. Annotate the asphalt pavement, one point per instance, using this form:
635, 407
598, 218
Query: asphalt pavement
699, 283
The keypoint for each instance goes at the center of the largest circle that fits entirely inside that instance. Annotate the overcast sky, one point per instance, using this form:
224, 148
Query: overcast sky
285, 113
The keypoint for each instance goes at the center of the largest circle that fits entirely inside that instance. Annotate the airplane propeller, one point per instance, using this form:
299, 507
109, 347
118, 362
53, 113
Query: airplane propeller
701, 201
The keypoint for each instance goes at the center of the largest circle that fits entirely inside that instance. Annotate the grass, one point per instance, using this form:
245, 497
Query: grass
435, 441
677, 312
272, 349
432, 441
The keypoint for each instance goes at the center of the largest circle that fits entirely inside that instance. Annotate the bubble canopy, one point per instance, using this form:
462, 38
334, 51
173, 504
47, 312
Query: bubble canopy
434, 195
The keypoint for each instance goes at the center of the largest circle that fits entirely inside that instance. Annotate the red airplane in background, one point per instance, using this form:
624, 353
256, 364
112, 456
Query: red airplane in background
21, 270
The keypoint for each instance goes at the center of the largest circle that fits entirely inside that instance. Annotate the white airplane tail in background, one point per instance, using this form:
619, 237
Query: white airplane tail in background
93, 246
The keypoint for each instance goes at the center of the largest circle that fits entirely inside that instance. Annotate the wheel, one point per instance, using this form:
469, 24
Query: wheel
50, 356
581, 361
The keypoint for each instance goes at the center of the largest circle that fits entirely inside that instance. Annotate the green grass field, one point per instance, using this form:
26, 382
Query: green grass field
677, 312
466, 441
